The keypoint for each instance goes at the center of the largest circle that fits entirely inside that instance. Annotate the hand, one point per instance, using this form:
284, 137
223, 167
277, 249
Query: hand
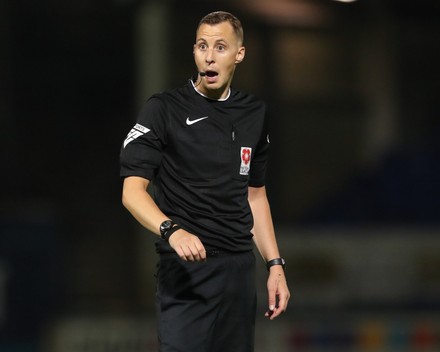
187, 246
278, 292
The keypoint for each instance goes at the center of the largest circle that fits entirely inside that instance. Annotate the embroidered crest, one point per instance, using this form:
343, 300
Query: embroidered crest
245, 155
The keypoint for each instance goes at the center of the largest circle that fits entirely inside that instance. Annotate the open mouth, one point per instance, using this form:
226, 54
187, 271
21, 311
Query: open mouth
211, 73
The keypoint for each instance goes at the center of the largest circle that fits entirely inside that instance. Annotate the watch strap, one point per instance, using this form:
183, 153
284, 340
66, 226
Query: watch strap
276, 261
166, 236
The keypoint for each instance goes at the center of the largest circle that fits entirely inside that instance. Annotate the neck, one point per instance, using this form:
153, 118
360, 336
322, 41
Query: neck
220, 95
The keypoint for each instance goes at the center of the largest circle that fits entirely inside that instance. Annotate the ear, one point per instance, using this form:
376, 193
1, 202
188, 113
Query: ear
240, 55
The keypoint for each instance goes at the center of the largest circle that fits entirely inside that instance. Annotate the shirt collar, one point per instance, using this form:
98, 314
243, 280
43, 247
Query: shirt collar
203, 95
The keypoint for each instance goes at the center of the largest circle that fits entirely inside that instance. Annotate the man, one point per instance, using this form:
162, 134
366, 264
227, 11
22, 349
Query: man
205, 146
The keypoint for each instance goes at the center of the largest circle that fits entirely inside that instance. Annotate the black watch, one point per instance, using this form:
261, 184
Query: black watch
276, 261
165, 227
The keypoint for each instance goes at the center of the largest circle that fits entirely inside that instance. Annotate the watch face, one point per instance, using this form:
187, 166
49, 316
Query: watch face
166, 225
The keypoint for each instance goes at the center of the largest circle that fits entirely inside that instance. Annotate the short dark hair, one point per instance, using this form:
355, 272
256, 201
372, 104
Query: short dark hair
220, 17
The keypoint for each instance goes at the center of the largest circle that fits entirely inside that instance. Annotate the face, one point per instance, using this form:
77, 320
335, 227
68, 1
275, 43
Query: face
217, 52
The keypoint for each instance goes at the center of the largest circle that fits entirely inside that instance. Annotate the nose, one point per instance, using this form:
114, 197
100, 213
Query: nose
210, 57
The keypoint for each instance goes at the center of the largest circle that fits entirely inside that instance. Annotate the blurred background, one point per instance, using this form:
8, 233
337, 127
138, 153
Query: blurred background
353, 91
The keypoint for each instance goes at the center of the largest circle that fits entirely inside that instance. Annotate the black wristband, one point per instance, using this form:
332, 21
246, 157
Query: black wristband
166, 236
276, 261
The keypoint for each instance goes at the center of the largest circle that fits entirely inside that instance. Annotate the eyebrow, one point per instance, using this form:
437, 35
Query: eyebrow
221, 40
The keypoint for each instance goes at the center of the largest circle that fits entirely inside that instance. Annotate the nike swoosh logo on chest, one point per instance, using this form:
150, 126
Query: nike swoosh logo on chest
191, 122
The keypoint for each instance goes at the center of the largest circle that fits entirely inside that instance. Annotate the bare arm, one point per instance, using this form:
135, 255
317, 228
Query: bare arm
265, 240
140, 204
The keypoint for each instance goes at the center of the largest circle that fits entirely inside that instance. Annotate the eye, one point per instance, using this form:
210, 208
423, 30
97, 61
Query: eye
202, 46
221, 47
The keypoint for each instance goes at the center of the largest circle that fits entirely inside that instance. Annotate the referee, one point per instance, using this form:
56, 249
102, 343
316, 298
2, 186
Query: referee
204, 149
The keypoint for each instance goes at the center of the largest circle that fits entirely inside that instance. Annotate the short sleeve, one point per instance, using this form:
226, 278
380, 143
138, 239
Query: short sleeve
260, 158
142, 150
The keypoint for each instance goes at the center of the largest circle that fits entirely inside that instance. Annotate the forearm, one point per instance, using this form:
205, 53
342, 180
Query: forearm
263, 230
140, 204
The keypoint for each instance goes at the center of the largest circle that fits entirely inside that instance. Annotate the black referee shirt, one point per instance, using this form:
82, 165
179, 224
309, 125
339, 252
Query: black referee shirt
201, 155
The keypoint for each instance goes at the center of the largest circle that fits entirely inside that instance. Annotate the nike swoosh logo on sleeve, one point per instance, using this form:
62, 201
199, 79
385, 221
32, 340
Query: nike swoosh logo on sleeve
191, 122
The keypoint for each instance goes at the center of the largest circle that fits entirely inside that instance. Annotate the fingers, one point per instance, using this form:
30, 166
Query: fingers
192, 252
283, 301
187, 246
280, 307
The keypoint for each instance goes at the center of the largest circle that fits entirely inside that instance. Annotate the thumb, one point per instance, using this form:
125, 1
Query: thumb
272, 298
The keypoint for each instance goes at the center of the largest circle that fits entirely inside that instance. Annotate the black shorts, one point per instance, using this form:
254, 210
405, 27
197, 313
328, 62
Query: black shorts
206, 306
